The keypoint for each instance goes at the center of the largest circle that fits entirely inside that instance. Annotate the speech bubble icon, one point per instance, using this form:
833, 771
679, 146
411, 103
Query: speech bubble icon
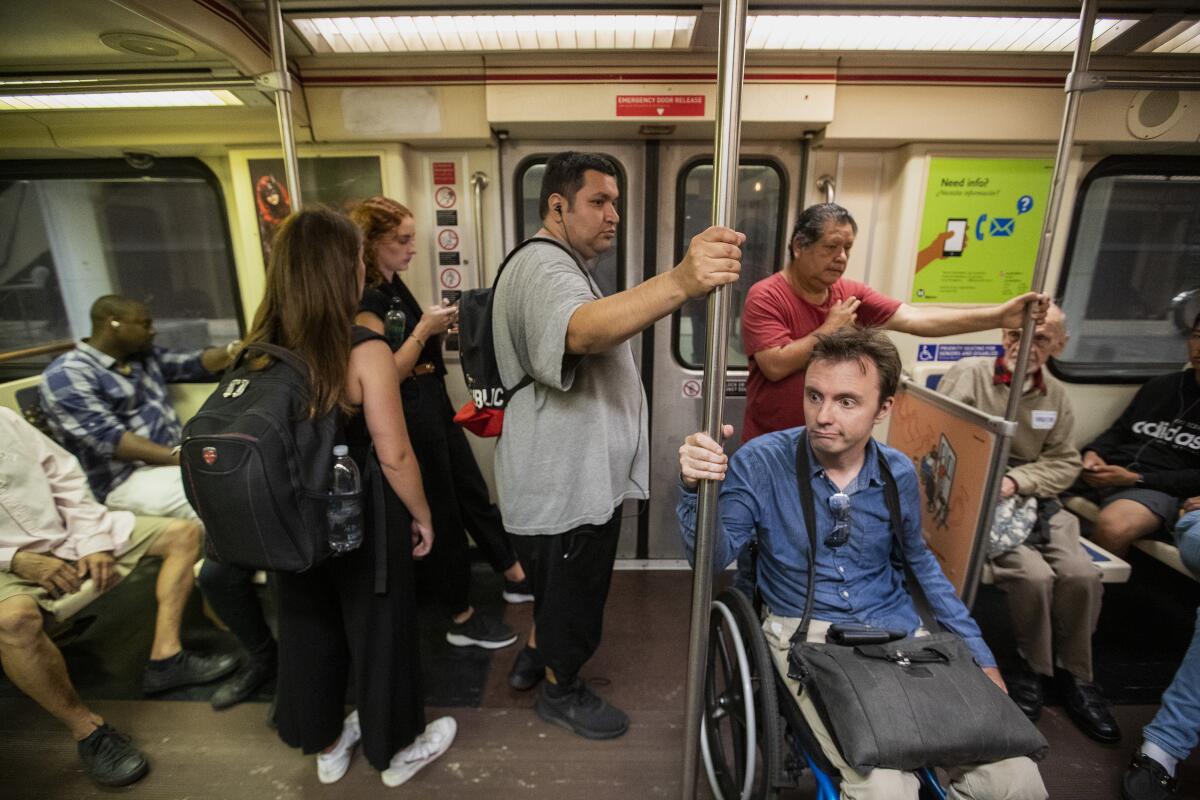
1024, 203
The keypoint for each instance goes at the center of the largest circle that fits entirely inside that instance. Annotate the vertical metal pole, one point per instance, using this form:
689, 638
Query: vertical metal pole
479, 182
725, 173
283, 101
1062, 160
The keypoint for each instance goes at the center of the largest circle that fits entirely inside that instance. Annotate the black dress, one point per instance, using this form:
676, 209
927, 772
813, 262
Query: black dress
334, 630
457, 494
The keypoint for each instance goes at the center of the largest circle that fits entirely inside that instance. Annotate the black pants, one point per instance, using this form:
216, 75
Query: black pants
571, 573
458, 497
230, 592
333, 626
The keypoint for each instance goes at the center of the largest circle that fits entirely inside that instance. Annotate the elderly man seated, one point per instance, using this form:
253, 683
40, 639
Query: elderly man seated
59, 547
1053, 588
852, 379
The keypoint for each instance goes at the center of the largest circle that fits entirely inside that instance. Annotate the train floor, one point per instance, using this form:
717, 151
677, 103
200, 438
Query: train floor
502, 751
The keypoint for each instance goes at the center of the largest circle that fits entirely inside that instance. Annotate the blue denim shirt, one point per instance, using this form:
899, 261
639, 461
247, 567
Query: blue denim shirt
856, 582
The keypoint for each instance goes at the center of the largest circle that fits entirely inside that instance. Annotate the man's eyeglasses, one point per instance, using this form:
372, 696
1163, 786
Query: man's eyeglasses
839, 506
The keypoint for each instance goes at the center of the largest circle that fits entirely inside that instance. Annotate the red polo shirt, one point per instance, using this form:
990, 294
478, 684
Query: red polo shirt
775, 315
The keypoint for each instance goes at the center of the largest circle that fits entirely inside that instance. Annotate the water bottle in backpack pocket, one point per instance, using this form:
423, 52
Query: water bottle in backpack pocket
345, 509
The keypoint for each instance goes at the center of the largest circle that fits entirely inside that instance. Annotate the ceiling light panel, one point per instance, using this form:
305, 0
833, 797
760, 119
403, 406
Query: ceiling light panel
922, 33
481, 33
79, 100
1186, 40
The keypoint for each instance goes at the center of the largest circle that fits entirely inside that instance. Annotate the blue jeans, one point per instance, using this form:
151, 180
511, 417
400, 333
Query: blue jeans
1176, 726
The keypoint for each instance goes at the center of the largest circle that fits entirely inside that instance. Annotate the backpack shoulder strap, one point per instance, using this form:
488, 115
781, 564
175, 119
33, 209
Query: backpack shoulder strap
539, 240
280, 354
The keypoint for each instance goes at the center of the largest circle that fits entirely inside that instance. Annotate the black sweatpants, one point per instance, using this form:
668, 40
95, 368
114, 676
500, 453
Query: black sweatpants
458, 497
571, 573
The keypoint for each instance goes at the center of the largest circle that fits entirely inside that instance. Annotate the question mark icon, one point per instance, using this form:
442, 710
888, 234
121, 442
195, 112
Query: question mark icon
1024, 204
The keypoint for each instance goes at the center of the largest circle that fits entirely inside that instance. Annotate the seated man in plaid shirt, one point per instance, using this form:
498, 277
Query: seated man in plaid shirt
107, 402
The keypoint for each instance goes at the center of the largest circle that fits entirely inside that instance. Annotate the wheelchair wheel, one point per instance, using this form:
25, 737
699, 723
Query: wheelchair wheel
741, 736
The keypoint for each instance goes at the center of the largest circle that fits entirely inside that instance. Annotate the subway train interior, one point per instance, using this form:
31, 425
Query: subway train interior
144, 152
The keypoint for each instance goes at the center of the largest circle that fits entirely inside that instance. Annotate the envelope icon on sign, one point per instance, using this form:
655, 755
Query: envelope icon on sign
1002, 227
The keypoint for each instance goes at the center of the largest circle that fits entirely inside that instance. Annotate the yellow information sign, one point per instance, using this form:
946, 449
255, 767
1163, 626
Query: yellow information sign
980, 228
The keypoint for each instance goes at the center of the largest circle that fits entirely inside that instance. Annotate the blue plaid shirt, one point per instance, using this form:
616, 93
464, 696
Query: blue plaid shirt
89, 404
856, 582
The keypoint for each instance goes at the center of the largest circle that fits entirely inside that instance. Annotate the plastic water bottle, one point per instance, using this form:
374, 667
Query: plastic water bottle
345, 503
395, 325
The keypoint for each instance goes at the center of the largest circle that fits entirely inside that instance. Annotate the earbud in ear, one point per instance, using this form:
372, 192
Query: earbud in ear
114, 323
558, 209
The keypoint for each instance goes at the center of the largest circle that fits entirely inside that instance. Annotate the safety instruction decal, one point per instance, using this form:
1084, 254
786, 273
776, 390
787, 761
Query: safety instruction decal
955, 352
980, 228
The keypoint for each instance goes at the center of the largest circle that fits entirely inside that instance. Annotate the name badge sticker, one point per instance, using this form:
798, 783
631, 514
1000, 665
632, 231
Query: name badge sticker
1044, 420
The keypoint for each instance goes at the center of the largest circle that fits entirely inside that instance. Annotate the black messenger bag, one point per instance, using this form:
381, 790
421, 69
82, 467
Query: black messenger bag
906, 704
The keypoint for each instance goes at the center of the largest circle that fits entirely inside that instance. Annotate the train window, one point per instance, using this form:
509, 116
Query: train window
761, 210
1132, 283
71, 231
610, 270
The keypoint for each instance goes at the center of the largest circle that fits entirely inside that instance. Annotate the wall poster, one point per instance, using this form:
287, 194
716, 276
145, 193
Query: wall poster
980, 228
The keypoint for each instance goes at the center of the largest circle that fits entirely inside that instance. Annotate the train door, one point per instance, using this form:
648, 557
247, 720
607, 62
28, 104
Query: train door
522, 165
768, 181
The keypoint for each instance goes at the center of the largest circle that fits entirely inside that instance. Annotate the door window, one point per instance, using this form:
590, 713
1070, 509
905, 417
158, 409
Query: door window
760, 214
609, 273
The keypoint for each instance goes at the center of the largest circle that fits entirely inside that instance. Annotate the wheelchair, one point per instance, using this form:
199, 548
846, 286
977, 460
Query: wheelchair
754, 740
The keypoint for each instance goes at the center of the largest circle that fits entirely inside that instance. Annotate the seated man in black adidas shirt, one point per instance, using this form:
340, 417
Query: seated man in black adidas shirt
1148, 461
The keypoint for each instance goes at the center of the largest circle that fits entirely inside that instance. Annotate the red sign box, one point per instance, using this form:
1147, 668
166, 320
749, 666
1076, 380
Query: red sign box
443, 173
660, 105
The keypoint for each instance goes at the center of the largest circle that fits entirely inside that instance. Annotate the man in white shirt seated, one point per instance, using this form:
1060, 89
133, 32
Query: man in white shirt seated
59, 549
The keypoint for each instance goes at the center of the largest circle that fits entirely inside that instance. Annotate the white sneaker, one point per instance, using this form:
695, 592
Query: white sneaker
431, 743
332, 766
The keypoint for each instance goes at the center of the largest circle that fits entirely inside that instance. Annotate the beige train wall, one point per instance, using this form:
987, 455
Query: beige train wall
874, 138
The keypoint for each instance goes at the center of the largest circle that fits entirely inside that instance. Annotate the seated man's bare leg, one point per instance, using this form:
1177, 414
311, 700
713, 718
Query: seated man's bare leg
1010, 779
36, 666
179, 547
1121, 523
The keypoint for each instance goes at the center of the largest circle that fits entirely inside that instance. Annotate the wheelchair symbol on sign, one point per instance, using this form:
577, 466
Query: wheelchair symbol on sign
926, 352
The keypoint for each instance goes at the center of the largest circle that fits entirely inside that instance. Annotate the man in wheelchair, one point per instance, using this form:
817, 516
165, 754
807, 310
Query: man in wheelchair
851, 382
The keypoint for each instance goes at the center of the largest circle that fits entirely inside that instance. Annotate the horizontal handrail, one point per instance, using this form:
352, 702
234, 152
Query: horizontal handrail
61, 346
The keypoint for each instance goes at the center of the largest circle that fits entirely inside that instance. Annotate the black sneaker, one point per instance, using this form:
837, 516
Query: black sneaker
245, 682
480, 631
526, 670
1146, 779
518, 591
110, 759
187, 669
581, 711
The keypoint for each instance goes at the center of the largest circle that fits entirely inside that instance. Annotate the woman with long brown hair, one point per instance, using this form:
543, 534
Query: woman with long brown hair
453, 483
331, 620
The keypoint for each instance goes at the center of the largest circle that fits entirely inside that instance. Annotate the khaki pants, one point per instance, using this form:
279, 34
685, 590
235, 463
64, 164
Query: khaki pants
1054, 594
1010, 779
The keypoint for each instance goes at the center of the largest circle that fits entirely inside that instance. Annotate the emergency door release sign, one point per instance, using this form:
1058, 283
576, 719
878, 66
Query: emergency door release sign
660, 105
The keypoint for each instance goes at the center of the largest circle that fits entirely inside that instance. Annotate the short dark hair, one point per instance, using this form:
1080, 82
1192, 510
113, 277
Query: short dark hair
857, 344
1196, 322
564, 175
111, 306
812, 222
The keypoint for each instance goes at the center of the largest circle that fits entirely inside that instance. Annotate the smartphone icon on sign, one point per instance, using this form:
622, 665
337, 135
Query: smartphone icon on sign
958, 234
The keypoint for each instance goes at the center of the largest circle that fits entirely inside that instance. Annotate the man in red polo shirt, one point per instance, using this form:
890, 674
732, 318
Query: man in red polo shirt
786, 312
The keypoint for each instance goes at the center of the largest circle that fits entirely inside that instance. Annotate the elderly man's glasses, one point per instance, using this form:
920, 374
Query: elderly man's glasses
839, 507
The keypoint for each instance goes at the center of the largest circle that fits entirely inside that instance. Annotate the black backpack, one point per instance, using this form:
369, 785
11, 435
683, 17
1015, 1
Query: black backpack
483, 414
256, 467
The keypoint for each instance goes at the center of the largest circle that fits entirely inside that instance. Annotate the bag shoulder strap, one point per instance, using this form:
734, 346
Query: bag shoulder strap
279, 354
891, 496
808, 506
